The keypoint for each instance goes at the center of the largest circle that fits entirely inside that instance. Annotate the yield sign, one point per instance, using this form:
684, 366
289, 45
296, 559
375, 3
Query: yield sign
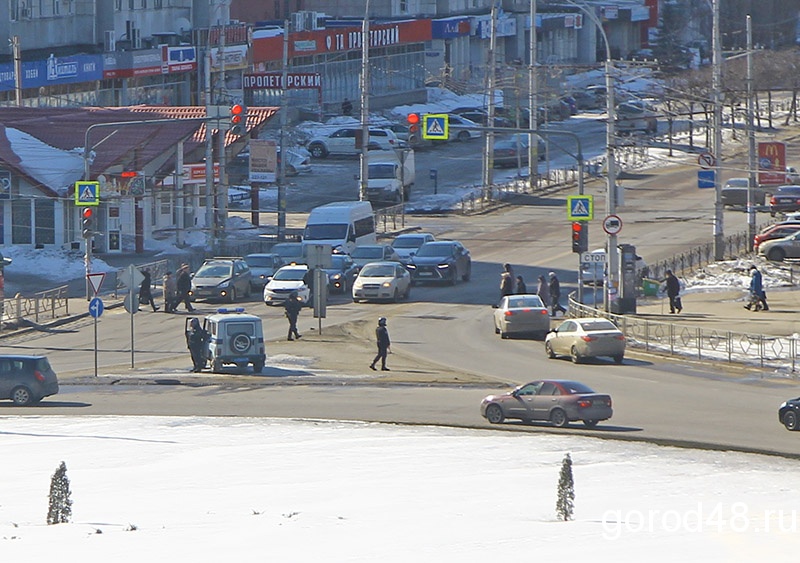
96, 280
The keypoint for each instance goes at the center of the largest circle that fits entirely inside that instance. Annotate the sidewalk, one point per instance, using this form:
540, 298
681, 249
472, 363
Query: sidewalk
724, 311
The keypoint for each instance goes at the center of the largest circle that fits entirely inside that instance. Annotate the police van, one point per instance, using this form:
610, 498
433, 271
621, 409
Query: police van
342, 224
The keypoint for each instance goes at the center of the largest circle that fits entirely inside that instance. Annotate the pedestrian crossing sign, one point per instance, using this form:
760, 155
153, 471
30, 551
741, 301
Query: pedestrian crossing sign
435, 127
87, 193
580, 208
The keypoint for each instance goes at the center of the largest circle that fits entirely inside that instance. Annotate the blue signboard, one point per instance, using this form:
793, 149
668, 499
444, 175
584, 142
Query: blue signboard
96, 307
449, 28
706, 179
53, 70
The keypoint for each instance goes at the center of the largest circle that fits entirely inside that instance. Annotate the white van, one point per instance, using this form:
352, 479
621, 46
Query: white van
342, 224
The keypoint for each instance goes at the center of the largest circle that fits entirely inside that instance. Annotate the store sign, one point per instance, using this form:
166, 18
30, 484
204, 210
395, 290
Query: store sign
53, 70
263, 160
274, 81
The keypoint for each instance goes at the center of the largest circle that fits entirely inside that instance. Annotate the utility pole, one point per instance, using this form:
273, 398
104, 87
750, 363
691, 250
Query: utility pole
362, 190
284, 117
489, 138
211, 227
751, 140
533, 118
716, 85
15, 47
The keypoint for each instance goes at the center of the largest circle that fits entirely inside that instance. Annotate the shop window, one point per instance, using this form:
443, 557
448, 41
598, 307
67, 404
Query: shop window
21, 221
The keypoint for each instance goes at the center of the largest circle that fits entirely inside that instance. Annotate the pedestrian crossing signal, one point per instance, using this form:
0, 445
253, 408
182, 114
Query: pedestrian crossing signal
580, 236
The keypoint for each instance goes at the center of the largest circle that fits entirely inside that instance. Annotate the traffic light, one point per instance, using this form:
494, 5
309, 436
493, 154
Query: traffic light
580, 236
238, 119
413, 122
88, 222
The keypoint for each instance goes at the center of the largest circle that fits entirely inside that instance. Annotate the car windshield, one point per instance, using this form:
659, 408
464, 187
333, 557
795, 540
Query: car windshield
573, 387
377, 271
593, 326
325, 231
214, 271
408, 242
288, 249
788, 190
367, 252
431, 250
290, 274
259, 261
524, 302
381, 171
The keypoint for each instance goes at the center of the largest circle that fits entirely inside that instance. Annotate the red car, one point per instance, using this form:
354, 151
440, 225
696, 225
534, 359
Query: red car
775, 231
558, 401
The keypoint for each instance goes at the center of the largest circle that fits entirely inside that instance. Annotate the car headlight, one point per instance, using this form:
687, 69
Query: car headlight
224, 284
386, 284
443, 266
783, 404
335, 277
411, 266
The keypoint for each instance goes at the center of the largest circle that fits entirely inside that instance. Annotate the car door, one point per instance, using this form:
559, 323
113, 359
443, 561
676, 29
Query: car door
793, 246
522, 404
562, 341
6, 378
342, 141
403, 278
547, 397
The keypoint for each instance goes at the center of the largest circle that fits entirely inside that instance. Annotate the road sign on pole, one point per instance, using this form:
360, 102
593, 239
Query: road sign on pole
96, 280
435, 127
580, 208
96, 307
612, 224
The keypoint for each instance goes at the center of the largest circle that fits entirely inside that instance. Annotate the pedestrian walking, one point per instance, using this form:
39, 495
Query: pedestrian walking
506, 281
292, 306
347, 107
673, 292
543, 291
146, 291
170, 289
184, 286
521, 287
384, 345
196, 339
555, 294
758, 297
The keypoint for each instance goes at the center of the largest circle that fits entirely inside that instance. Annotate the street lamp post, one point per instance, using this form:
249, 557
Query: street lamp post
716, 87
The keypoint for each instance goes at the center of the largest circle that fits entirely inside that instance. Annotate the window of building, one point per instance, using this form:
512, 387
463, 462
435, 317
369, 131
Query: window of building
44, 230
56, 8
20, 221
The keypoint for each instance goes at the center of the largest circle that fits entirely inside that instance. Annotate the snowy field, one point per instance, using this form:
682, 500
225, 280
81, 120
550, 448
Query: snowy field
222, 489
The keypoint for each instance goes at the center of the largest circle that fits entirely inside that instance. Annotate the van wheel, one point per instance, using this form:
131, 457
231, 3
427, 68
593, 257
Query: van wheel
258, 366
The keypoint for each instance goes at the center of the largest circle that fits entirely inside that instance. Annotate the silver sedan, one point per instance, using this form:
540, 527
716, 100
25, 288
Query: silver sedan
586, 338
521, 314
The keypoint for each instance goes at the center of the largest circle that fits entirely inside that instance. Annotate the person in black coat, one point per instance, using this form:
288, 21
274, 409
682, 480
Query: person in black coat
555, 294
292, 307
384, 344
196, 338
347, 107
673, 292
521, 287
184, 286
146, 291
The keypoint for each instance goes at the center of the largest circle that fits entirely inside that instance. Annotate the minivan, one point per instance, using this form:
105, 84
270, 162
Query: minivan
342, 224
345, 142
26, 380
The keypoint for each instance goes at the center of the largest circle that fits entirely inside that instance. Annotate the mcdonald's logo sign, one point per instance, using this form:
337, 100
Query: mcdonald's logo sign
772, 163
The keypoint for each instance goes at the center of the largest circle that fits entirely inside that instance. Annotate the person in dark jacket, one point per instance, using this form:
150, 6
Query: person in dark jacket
184, 286
543, 291
292, 307
521, 287
196, 338
506, 281
384, 344
347, 107
555, 294
673, 292
758, 297
146, 291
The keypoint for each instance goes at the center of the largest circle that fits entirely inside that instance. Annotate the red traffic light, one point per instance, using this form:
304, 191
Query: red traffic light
577, 227
237, 111
88, 212
413, 119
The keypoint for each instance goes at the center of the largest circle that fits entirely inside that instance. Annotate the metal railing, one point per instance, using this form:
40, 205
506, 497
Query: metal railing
776, 352
42, 306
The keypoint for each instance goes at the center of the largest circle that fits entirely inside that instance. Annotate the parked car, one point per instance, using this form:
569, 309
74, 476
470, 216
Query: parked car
521, 314
262, 267
404, 134
26, 380
571, 102
636, 115
784, 199
584, 338
588, 101
777, 250
289, 278
343, 142
775, 232
290, 252
442, 260
341, 274
367, 253
407, 244
558, 401
482, 118
514, 149
382, 281
734, 192
238, 338
221, 279
789, 414
462, 129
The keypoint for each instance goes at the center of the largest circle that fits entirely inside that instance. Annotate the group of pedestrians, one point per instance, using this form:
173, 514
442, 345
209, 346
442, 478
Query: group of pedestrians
548, 290
176, 290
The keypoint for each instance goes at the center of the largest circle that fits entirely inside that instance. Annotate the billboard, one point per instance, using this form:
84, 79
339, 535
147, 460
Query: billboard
771, 163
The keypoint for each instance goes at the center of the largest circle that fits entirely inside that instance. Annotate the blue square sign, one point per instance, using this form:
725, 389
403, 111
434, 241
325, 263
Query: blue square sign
706, 179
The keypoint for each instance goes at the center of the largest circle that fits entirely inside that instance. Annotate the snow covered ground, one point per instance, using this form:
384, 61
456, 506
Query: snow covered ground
224, 489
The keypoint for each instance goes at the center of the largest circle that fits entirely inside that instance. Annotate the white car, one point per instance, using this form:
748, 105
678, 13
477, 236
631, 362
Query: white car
343, 142
367, 253
462, 129
294, 277
386, 281
407, 244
